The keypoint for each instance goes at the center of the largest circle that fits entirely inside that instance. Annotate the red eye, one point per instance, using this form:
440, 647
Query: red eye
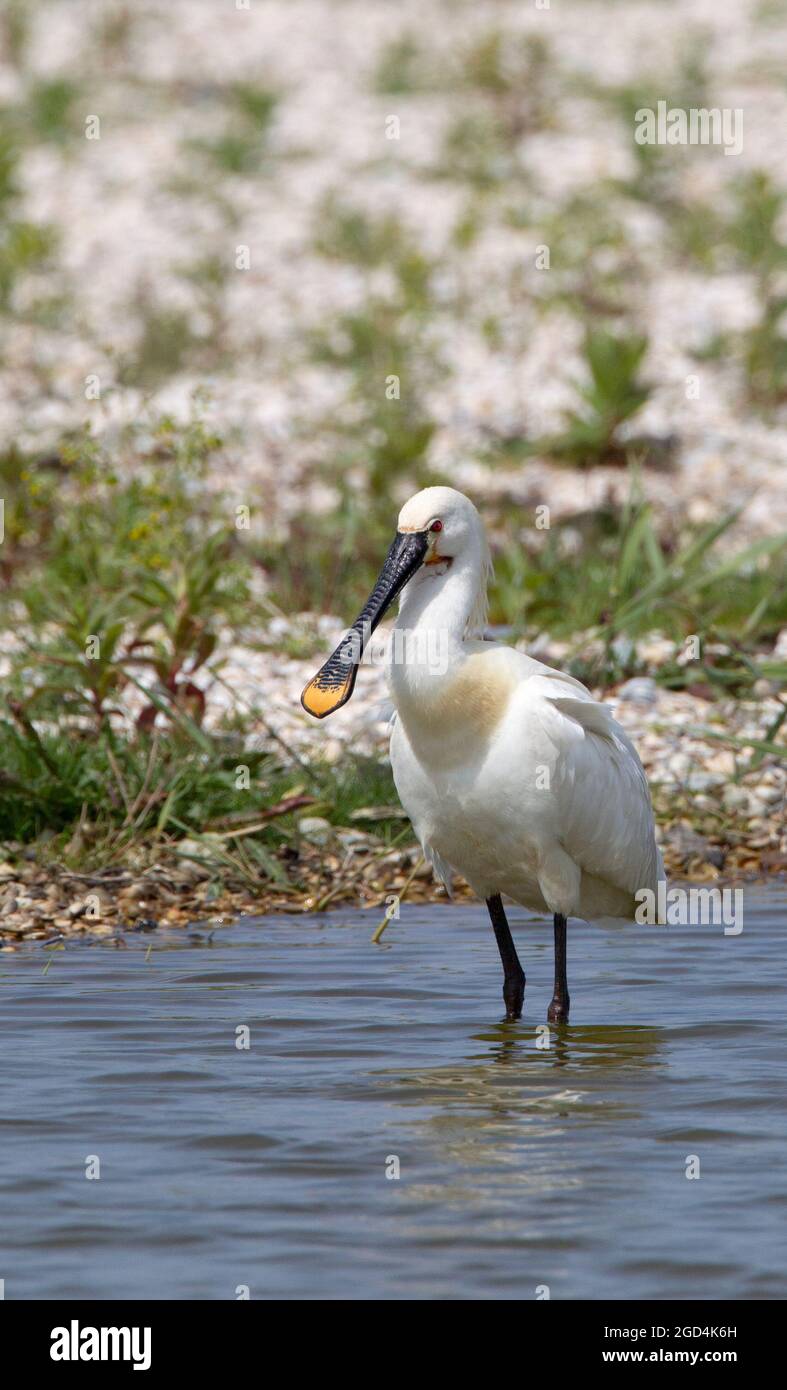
436, 526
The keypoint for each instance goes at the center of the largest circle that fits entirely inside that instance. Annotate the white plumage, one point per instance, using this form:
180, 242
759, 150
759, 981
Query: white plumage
511, 773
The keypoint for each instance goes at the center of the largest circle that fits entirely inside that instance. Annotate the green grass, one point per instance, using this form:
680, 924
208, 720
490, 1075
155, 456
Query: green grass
15, 30
622, 580
131, 551
685, 84
591, 259
611, 396
621, 577
753, 230
477, 150
47, 113
118, 574
134, 558
50, 109
165, 346
241, 146
26, 247
385, 350
402, 67
346, 233
49, 782
517, 75
755, 237
97, 798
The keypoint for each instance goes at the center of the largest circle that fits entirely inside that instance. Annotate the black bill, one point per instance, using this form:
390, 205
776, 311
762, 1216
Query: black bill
335, 681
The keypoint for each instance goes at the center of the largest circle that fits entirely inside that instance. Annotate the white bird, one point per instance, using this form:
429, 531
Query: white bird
511, 773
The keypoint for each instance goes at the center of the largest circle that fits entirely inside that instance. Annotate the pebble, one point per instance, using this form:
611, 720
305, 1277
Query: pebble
316, 829
640, 690
736, 798
703, 781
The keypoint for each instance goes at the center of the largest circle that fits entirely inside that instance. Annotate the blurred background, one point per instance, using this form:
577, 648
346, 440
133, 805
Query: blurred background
264, 271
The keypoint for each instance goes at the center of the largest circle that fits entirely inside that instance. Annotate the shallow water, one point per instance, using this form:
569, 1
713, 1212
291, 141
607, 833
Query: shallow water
519, 1166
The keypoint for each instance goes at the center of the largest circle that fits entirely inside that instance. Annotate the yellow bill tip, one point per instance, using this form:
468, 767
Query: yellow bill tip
322, 699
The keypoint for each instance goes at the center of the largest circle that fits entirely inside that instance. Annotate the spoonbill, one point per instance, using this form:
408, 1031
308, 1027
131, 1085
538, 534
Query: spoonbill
511, 773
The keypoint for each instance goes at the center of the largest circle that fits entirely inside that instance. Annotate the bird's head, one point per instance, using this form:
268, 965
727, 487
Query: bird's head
447, 519
436, 527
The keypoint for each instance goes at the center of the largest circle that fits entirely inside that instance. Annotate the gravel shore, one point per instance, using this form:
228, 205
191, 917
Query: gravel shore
720, 806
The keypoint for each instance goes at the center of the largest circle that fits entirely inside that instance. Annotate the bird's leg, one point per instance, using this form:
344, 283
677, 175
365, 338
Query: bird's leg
514, 975
558, 1009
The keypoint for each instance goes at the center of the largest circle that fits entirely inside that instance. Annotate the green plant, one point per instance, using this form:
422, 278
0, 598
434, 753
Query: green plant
753, 231
24, 247
242, 145
9, 160
516, 75
756, 240
384, 348
765, 354
591, 259
127, 583
612, 396
655, 178
344, 232
477, 150
15, 28
50, 109
621, 579
753, 241
401, 67
166, 345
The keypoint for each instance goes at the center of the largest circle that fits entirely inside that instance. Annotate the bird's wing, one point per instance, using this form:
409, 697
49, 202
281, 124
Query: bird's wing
602, 793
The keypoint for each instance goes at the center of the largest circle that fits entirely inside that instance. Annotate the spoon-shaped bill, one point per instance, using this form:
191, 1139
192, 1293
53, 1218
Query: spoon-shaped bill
335, 681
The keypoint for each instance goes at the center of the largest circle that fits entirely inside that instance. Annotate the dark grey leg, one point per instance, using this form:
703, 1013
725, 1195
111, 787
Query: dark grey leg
558, 1009
514, 975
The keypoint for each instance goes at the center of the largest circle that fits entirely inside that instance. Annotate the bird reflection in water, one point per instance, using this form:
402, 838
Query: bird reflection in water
503, 1118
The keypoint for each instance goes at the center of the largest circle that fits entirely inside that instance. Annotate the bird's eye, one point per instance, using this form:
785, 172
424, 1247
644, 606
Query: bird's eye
436, 526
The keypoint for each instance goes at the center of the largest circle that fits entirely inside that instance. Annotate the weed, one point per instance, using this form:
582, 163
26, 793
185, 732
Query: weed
25, 247
401, 67
50, 109
166, 345
241, 147
612, 396
622, 580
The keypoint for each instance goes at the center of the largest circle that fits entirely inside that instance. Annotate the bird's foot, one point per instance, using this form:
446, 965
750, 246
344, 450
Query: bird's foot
558, 1010
514, 998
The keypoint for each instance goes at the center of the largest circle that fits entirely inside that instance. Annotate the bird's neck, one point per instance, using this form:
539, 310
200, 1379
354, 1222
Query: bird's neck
437, 614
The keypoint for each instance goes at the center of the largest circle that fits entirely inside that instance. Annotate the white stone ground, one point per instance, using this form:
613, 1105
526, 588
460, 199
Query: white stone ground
126, 233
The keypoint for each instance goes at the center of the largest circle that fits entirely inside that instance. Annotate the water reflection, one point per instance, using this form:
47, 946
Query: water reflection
611, 1045
517, 1068
506, 1112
